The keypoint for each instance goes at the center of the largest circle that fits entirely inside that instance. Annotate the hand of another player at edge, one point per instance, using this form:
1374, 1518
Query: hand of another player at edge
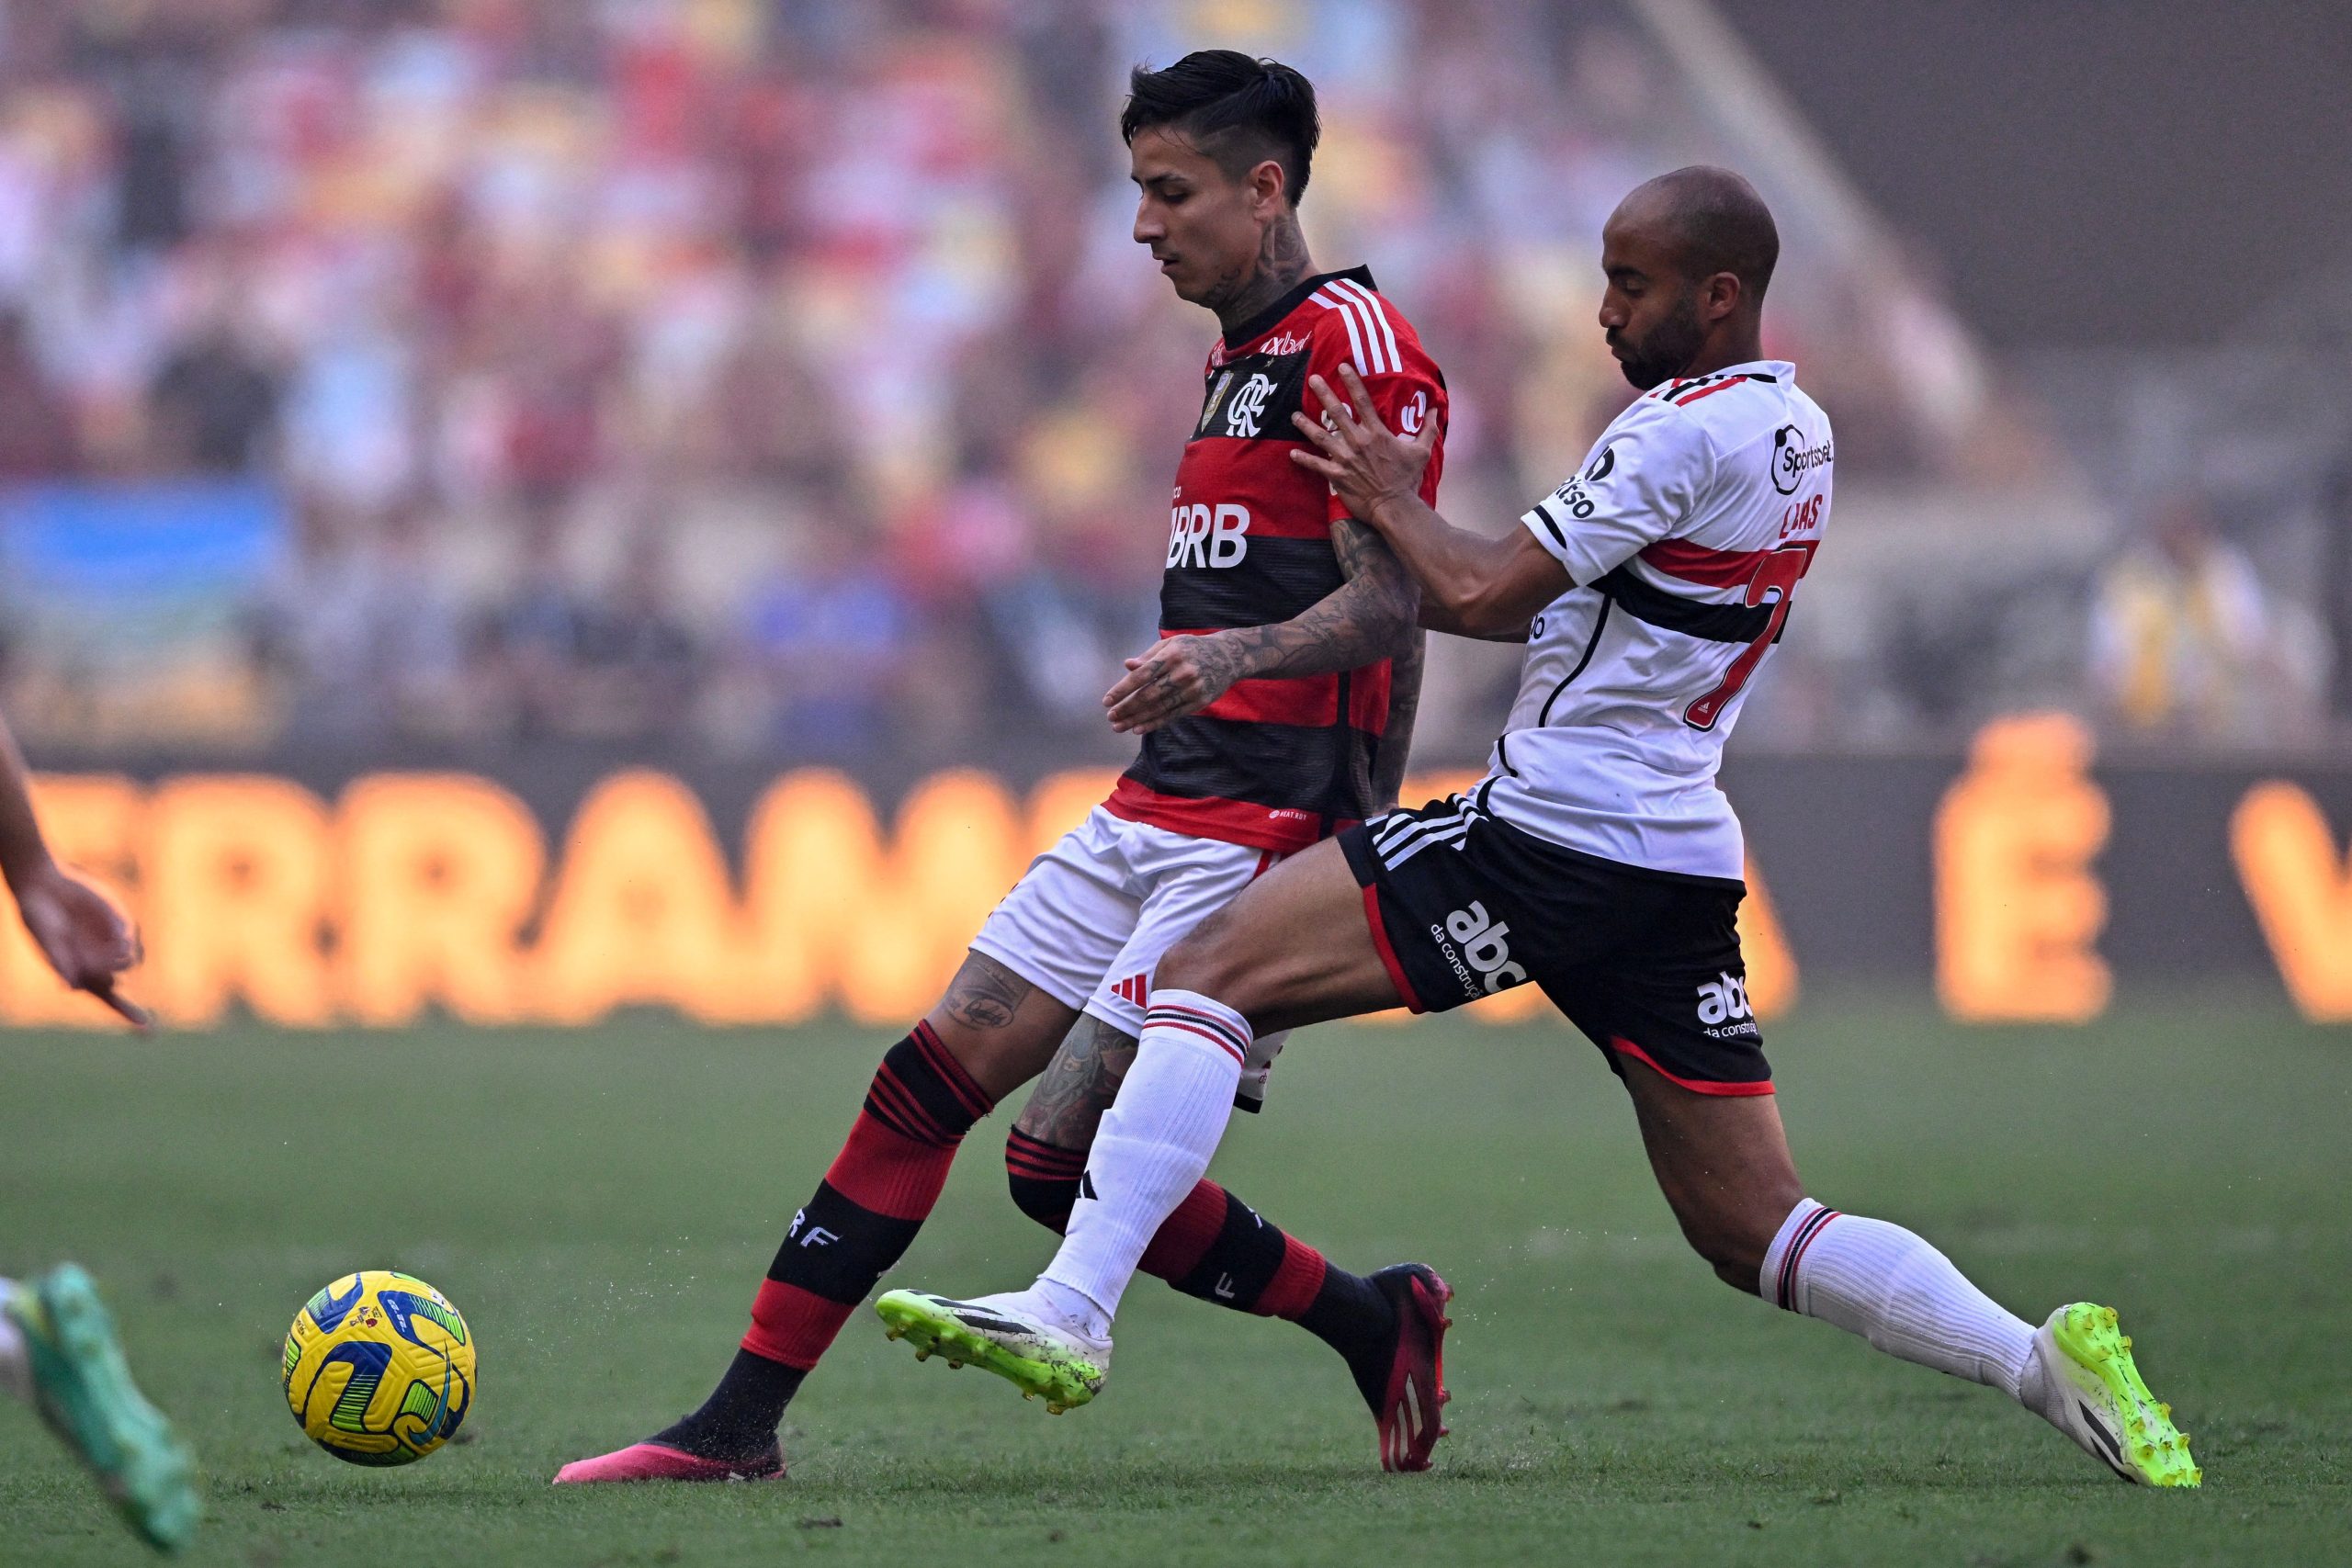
84, 938
1175, 678
1367, 464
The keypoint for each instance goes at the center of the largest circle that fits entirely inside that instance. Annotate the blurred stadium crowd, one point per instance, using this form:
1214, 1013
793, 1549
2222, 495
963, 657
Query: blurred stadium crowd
778, 376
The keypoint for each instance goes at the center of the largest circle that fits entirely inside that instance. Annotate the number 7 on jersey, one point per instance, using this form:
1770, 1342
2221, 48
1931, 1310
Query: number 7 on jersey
1775, 582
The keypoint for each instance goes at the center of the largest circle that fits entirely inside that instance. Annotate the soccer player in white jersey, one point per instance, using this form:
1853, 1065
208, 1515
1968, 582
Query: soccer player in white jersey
1598, 859
58, 1349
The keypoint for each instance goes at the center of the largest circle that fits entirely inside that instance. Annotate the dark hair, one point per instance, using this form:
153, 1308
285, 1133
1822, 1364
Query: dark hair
1237, 111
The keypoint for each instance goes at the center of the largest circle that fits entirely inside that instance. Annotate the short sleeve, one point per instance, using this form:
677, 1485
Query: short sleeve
1406, 388
1637, 487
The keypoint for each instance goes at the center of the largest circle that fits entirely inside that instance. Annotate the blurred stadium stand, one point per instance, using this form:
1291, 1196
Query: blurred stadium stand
776, 381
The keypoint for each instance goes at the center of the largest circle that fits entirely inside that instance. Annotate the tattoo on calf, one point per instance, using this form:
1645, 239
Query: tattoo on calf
985, 994
1078, 1087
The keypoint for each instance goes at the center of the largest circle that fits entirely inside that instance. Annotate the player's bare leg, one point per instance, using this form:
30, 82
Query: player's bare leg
1240, 972
991, 1033
1724, 1165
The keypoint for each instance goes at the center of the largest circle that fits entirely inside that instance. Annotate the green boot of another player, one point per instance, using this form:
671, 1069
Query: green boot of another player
75, 1371
2084, 1381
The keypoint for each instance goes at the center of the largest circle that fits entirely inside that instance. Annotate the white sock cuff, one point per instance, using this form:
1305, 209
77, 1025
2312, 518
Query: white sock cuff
1778, 1283
1188, 1018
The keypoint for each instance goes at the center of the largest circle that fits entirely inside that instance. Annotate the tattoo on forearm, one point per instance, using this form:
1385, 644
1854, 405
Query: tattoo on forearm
985, 994
1404, 706
1366, 618
1078, 1087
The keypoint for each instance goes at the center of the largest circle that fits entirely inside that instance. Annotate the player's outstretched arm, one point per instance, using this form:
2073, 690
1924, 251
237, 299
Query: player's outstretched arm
1368, 617
84, 937
1471, 585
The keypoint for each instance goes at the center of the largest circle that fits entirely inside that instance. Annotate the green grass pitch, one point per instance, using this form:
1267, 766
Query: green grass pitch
601, 1204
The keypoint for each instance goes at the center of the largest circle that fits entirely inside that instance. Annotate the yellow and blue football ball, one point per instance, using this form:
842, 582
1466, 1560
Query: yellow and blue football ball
379, 1368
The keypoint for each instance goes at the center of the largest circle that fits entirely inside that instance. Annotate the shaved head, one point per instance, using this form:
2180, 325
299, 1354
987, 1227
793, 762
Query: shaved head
1714, 221
1688, 256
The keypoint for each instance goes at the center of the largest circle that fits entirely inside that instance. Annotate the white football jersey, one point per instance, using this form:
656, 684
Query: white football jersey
1686, 532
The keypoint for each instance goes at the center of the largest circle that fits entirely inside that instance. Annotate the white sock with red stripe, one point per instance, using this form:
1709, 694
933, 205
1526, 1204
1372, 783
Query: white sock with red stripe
1153, 1146
1884, 1283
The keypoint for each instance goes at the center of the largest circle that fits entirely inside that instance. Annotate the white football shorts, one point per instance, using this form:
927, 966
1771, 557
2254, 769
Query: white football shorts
1091, 918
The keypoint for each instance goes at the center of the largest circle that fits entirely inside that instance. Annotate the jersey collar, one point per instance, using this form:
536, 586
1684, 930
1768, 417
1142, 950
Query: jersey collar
1270, 318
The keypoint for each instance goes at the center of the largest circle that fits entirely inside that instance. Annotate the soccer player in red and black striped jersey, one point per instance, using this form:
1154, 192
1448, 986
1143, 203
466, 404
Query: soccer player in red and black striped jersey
1275, 710
1597, 860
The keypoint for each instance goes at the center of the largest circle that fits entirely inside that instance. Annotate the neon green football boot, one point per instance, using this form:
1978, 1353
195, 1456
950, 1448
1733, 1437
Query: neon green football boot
81, 1387
1007, 1334
2083, 1380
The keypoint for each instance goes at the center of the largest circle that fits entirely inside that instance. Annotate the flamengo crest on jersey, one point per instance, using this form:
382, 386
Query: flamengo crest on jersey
1687, 530
1275, 764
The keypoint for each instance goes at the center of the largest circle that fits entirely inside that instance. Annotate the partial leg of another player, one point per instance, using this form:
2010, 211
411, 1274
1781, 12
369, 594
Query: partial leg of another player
1724, 1165
1388, 1327
1243, 971
992, 1033
58, 1350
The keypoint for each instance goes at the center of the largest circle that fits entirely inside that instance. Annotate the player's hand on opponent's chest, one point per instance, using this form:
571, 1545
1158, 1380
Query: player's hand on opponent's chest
1175, 678
1368, 464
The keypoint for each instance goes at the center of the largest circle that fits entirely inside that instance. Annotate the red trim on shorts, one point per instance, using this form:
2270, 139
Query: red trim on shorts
1227, 821
1696, 1085
1387, 953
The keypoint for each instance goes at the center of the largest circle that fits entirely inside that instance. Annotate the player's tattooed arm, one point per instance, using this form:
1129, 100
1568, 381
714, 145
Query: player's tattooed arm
1078, 1087
1368, 617
1404, 706
985, 994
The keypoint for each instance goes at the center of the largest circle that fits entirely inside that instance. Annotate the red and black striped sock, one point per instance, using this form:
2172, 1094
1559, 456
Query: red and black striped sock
865, 1215
1219, 1249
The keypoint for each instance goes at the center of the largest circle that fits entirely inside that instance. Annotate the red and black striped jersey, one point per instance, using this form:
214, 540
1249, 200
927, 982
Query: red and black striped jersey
1277, 763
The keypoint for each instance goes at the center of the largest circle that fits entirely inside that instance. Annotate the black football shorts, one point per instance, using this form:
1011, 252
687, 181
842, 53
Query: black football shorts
1646, 963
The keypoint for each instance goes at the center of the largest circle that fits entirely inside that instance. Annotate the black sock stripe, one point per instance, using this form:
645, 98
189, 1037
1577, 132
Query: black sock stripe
837, 1249
887, 1105
1241, 1261
940, 1104
973, 1100
1047, 1201
1041, 1157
